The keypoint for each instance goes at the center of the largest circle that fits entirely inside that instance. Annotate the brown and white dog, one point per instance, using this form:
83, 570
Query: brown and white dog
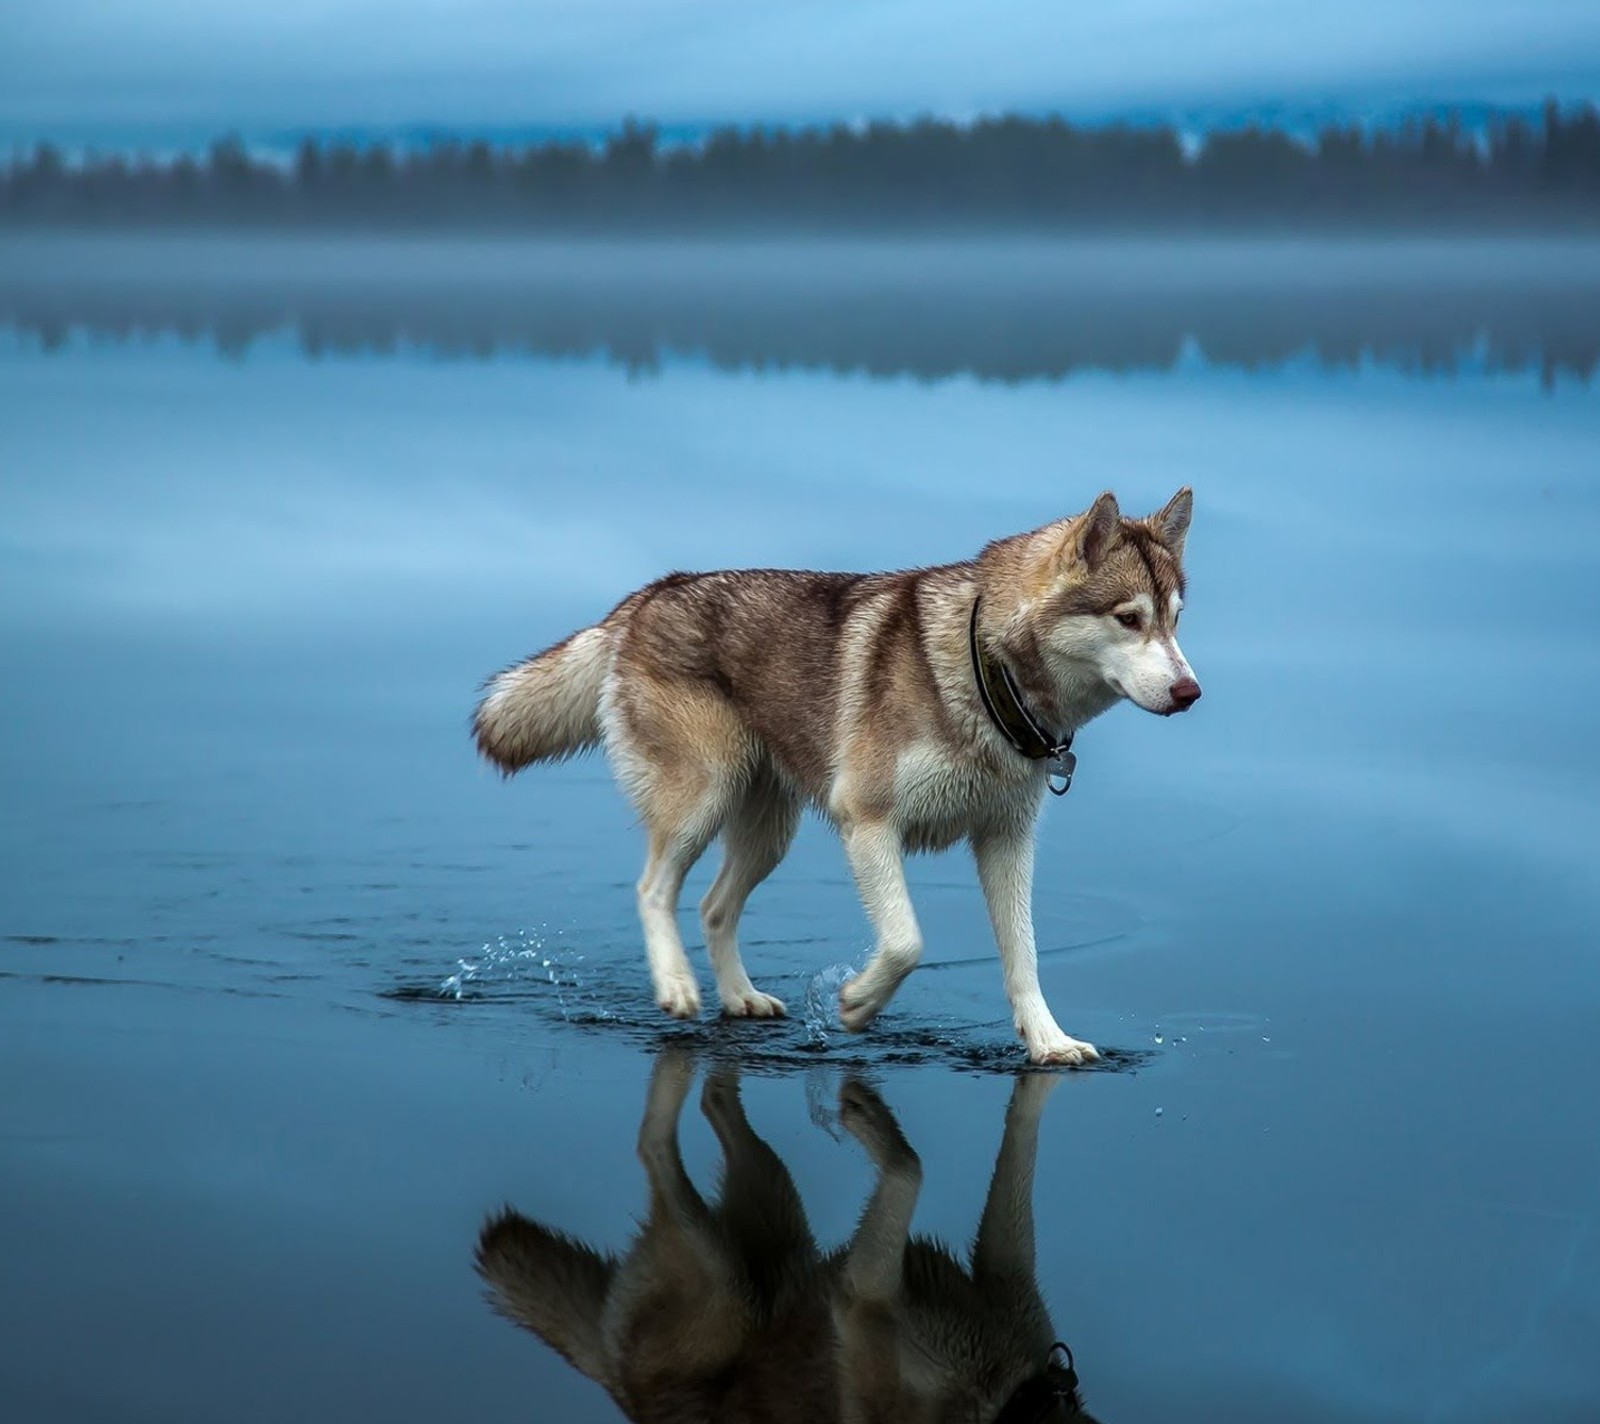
911, 709
727, 1310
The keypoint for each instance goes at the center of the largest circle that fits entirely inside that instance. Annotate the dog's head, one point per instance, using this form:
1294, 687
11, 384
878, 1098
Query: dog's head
1109, 591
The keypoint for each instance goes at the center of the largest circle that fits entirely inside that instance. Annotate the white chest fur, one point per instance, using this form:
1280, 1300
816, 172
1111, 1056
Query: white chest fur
941, 796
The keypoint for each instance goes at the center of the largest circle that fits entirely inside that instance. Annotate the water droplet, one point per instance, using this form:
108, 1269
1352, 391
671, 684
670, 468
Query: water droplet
822, 1000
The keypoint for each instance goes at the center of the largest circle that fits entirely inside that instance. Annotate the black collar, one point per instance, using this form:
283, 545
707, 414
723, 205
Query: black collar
1002, 700
1050, 1394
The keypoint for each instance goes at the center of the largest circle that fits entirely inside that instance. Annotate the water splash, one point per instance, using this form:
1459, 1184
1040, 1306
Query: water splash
822, 1001
538, 973
515, 958
822, 1101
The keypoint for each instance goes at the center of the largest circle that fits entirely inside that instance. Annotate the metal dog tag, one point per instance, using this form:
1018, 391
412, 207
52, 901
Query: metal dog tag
1058, 772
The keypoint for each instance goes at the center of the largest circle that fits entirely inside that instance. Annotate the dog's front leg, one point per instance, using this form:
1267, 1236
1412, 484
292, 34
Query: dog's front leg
1005, 868
875, 1262
878, 860
869, 1304
1003, 1251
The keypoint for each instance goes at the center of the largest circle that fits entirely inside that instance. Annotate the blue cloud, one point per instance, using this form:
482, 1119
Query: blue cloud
176, 62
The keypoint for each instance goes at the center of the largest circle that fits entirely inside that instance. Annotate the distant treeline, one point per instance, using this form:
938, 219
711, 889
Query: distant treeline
1004, 172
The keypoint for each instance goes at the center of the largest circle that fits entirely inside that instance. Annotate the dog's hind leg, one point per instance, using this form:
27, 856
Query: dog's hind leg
682, 756
758, 830
679, 1309
673, 1197
759, 1208
673, 852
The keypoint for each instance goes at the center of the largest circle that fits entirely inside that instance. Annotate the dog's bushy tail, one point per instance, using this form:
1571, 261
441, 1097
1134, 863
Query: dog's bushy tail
546, 707
550, 1284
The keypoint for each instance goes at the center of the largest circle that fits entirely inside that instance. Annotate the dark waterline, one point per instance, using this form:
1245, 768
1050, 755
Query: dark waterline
1000, 310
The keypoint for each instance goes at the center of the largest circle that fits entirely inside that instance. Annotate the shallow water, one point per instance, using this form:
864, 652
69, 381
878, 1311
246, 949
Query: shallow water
294, 994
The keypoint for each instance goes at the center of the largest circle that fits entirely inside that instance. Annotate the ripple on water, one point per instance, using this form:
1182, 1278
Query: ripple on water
562, 989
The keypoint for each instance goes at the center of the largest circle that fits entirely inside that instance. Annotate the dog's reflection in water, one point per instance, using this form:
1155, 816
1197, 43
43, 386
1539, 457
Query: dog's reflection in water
729, 1312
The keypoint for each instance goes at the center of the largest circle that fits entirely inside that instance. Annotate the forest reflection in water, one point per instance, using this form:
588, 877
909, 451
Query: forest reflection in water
1007, 311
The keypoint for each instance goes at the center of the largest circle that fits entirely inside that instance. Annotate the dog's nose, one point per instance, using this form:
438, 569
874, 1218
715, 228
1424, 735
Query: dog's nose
1185, 692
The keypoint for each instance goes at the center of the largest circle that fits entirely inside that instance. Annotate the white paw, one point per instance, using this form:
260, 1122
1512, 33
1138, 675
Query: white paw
752, 1004
719, 1099
867, 1119
670, 1079
679, 996
858, 1005
1062, 1051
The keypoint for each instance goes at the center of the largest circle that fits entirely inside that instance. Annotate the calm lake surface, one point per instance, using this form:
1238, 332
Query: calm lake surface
294, 993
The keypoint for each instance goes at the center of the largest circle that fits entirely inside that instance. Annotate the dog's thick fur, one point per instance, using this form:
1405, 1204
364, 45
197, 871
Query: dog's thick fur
726, 701
729, 1312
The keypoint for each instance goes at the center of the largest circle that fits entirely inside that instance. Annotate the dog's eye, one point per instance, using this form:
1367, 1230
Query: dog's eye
1130, 620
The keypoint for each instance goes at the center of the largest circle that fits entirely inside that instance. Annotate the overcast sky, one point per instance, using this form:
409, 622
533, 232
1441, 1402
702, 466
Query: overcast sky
119, 63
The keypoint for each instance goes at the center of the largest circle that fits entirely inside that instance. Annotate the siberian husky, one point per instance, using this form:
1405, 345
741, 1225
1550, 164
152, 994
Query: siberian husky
911, 709
727, 1310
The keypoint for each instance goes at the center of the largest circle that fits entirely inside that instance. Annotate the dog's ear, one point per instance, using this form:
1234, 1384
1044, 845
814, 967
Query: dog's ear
1172, 523
1081, 539
1097, 529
